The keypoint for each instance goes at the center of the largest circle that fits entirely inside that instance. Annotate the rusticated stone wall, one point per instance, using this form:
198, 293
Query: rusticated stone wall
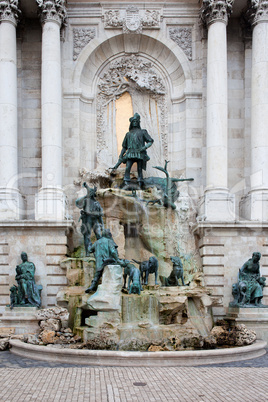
46, 245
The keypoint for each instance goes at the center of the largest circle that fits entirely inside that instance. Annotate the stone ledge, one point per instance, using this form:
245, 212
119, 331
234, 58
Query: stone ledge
245, 224
33, 223
138, 359
17, 319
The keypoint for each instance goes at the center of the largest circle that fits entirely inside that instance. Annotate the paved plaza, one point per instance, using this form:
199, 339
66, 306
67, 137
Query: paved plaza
23, 379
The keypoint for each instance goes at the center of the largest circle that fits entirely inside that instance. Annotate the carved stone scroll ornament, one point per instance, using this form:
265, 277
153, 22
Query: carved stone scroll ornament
82, 36
9, 11
183, 38
214, 10
54, 10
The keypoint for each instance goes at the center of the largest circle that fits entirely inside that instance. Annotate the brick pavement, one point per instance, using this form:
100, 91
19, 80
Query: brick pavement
28, 380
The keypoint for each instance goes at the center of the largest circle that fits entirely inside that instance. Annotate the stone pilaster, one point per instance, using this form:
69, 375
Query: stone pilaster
255, 205
50, 201
11, 206
218, 204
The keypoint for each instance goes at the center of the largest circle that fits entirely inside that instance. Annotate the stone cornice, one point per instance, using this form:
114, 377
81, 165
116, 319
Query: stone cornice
34, 225
209, 227
216, 10
257, 11
52, 10
9, 11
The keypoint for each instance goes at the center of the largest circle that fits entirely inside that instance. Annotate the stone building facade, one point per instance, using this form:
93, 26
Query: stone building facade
70, 77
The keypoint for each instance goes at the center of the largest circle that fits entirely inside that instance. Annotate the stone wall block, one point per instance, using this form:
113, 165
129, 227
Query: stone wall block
211, 251
213, 260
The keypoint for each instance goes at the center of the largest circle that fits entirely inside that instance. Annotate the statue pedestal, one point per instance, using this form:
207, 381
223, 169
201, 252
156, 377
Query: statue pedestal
22, 319
106, 301
108, 295
253, 318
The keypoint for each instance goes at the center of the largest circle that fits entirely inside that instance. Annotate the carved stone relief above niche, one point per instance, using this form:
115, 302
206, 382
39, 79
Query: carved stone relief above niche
128, 85
183, 38
131, 19
81, 37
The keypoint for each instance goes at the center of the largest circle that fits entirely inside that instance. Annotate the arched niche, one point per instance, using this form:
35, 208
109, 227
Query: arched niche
128, 84
154, 71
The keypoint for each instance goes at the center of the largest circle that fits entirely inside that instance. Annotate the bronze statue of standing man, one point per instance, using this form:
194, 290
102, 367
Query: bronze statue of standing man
91, 216
134, 148
103, 249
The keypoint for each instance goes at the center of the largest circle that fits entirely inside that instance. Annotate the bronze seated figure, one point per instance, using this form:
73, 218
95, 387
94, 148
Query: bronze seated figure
248, 291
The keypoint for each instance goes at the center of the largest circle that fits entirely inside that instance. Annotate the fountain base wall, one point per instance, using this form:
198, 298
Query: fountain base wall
138, 359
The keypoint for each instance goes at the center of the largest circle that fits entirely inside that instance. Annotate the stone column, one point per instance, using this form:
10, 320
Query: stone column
50, 201
11, 206
218, 204
255, 204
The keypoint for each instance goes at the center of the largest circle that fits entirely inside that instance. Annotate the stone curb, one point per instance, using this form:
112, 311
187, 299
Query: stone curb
138, 359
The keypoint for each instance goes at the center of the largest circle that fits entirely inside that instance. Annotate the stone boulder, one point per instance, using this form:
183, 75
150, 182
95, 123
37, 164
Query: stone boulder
105, 339
108, 295
4, 344
233, 335
133, 344
52, 332
192, 342
33, 339
171, 343
56, 313
47, 337
188, 342
156, 348
50, 324
171, 307
6, 332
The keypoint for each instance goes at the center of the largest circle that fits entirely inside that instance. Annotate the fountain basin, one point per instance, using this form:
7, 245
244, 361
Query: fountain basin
138, 359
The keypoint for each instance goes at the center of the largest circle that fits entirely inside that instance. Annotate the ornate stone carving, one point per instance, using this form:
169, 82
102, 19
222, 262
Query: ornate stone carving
130, 74
82, 36
151, 19
112, 19
214, 10
9, 11
52, 10
132, 20
257, 11
183, 38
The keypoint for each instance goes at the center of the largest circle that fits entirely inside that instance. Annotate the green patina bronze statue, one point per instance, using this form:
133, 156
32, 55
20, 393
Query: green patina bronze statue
27, 293
175, 275
168, 187
134, 277
148, 267
104, 250
248, 291
134, 148
91, 216
133, 273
